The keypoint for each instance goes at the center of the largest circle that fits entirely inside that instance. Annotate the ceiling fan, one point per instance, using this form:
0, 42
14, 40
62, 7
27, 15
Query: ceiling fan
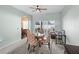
37, 8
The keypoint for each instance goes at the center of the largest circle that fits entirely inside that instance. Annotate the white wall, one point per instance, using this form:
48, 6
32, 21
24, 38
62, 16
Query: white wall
71, 24
10, 24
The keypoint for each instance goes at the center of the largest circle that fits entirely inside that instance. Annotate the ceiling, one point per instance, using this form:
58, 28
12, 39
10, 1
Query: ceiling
50, 8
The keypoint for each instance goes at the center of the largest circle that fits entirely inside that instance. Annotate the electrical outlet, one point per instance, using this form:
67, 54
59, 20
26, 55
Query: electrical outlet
0, 40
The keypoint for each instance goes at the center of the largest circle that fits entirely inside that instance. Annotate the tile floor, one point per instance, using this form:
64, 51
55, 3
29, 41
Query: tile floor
55, 49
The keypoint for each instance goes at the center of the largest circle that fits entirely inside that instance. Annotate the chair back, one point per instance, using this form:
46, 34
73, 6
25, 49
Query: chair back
31, 38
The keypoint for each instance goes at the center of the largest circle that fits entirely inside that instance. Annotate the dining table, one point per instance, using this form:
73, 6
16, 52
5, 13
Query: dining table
40, 38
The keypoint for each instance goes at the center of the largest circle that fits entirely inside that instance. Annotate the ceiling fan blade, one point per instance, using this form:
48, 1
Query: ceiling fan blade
40, 11
43, 8
32, 7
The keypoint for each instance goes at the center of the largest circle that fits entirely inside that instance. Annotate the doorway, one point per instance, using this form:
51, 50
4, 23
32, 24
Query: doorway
24, 22
24, 26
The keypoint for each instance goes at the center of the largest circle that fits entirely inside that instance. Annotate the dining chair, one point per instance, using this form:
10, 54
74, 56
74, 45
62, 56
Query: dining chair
32, 41
45, 41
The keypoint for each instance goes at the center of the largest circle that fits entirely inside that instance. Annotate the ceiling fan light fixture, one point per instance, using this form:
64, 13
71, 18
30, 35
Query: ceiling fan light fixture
37, 11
